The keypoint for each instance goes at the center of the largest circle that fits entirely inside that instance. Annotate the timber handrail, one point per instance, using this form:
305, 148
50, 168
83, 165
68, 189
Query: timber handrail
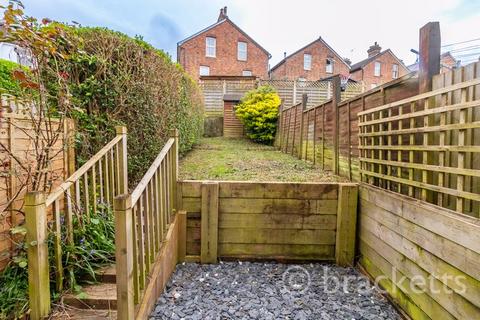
142, 219
426, 95
60, 190
137, 192
98, 181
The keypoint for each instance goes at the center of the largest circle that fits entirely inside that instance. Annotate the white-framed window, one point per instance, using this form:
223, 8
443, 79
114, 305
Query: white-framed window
307, 61
247, 73
329, 65
378, 69
204, 70
394, 71
211, 47
242, 51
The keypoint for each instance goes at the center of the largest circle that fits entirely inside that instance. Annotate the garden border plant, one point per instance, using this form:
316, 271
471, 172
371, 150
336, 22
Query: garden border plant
258, 112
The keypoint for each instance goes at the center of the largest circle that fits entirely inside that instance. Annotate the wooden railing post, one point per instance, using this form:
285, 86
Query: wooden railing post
209, 222
346, 224
122, 169
182, 235
174, 134
37, 253
122, 206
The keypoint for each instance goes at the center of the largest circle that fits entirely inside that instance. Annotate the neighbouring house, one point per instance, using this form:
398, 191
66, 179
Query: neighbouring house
447, 63
222, 49
314, 61
380, 67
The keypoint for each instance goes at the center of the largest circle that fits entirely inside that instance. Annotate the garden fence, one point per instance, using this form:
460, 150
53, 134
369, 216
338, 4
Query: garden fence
327, 133
290, 91
428, 146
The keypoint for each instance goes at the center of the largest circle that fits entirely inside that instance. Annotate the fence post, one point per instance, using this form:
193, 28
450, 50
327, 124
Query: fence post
335, 101
346, 224
122, 206
209, 222
37, 254
294, 100
174, 134
182, 235
302, 122
122, 156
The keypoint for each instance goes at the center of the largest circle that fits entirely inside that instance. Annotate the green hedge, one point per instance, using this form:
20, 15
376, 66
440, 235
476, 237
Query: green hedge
7, 83
122, 80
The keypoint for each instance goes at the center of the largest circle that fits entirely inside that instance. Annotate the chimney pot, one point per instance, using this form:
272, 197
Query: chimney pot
374, 50
284, 54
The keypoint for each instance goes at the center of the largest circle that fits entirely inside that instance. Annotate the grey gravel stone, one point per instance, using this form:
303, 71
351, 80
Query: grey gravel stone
248, 290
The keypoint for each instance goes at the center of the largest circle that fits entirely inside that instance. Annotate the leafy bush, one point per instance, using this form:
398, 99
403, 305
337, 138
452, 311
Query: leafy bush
13, 291
118, 80
258, 111
7, 83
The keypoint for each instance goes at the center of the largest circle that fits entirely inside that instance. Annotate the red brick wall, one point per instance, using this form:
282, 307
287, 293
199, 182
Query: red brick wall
292, 68
368, 74
192, 54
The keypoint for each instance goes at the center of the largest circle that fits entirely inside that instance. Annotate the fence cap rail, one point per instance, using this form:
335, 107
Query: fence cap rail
151, 171
80, 172
429, 94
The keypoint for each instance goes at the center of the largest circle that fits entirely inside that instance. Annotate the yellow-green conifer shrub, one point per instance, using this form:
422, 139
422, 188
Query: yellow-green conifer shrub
258, 111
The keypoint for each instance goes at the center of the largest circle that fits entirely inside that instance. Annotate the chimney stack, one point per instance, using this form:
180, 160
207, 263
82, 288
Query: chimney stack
223, 14
374, 50
347, 61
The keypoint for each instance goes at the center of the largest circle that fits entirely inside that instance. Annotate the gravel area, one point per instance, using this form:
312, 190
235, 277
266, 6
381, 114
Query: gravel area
252, 290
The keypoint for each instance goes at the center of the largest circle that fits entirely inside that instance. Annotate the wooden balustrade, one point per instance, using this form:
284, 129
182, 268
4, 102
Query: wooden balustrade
404, 146
142, 220
98, 181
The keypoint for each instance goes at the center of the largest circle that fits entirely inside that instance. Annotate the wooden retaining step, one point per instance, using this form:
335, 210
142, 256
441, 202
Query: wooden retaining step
101, 296
107, 274
81, 314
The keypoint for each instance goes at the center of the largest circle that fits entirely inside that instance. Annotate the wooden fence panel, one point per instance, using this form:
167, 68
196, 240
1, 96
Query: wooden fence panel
424, 146
334, 139
17, 135
427, 258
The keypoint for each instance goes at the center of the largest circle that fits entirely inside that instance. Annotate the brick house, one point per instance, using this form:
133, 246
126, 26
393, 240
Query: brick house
380, 67
222, 49
315, 61
447, 63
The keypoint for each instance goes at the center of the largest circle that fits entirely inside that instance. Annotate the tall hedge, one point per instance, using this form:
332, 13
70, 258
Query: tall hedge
121, 80
7, 83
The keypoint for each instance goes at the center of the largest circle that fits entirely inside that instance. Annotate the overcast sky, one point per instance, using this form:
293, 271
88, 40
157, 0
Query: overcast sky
349, 26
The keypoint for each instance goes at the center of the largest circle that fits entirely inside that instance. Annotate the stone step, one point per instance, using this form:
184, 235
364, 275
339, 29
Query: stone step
102, 296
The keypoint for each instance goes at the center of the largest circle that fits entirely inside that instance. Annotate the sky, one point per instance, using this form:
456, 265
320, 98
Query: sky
348, 26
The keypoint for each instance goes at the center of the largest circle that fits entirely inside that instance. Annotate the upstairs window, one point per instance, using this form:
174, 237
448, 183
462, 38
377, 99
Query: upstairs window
242, 51
211, 47
307, 61
204, 71
246, 73
377, 70
395, 71
329, 65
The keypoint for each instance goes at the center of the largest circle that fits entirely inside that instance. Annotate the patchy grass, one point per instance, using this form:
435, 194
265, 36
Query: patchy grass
240, 159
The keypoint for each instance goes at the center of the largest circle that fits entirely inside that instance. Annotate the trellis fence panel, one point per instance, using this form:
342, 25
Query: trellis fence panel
428, 146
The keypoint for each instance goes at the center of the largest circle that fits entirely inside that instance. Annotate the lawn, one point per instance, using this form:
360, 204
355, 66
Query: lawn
240, 159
